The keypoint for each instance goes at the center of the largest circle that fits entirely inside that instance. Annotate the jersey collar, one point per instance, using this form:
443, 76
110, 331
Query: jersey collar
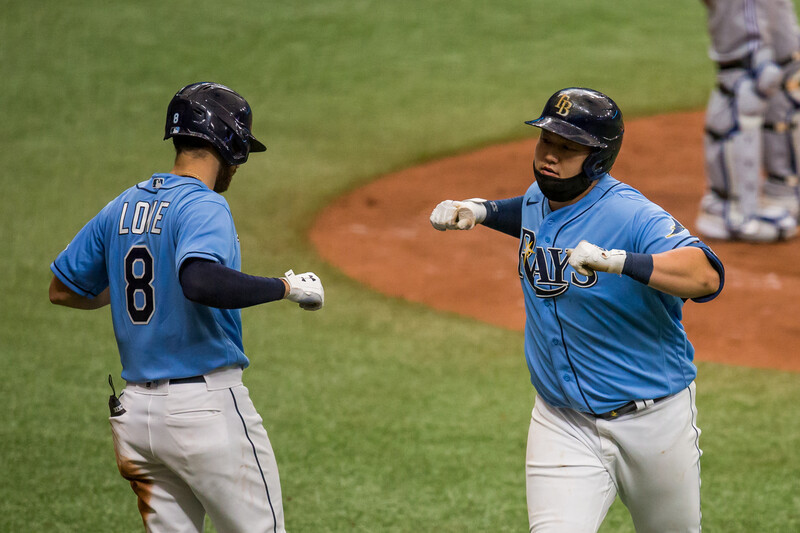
604, 183
168, 181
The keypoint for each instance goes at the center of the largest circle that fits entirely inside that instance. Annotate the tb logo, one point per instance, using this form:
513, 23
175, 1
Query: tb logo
563, 105
544, 268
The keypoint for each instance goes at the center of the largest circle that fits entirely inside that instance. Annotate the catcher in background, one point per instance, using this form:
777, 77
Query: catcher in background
165, 255
752, 122
604, 273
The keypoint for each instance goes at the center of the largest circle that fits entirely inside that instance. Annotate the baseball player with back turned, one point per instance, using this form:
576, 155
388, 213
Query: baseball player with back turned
165, 255
604, 273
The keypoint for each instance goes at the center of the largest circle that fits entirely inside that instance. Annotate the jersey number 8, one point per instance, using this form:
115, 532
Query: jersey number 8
139, 293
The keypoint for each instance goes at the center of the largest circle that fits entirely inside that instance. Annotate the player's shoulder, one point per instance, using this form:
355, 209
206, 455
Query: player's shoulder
622, 191
533, 191
612, 199
630, 200
650, 218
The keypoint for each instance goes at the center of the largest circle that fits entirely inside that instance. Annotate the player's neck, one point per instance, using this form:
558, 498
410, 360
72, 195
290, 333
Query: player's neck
204, 167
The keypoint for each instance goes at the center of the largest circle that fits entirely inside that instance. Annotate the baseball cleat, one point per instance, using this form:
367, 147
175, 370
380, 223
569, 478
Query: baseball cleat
771, 223
788, 203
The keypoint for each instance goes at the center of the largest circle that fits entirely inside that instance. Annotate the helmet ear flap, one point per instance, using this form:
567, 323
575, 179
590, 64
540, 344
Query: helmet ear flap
600, 161
595, 164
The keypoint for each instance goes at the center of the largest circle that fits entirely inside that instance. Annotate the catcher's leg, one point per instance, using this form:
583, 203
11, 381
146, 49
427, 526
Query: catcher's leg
782, 143
733, 153
569, 490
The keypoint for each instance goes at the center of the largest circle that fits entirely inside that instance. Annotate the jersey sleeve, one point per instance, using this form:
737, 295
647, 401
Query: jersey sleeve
661, 232
82, 266
716, 263
657, 231
206, 231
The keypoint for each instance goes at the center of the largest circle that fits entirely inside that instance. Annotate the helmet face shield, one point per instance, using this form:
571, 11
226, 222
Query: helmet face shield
217, 114
589, 118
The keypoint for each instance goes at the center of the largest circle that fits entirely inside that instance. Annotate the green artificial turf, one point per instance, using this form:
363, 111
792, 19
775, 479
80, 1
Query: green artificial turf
384, 415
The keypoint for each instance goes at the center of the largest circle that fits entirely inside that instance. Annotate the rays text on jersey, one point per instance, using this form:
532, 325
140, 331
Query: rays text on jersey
545, 268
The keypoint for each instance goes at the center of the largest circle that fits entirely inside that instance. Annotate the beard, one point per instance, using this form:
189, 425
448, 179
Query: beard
224, 177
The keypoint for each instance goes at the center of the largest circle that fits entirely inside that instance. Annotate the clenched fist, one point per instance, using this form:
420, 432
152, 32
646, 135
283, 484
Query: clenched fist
306, 290
587, 257
463, 214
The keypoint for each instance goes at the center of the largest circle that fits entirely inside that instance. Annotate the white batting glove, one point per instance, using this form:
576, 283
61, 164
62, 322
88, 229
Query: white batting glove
462, 214
587, 258
306, 290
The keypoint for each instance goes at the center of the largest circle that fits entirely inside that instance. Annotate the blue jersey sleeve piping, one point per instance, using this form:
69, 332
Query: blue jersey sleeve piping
716, 264
69, 283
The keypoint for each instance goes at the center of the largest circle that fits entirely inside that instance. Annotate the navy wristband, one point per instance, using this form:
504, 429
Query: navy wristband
638, 267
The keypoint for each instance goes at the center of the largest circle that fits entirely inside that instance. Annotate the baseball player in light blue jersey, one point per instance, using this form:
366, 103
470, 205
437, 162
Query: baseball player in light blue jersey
605, 274
165, 255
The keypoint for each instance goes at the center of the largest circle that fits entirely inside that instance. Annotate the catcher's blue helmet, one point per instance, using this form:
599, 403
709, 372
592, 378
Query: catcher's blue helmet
587, 117
217, 114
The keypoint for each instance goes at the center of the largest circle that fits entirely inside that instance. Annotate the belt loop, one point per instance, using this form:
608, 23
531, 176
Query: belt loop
643, 404
156, 387
224, 378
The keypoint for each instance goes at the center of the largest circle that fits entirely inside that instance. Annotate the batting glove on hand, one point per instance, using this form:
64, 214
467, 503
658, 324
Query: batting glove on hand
452, 214
306, 290
587, 258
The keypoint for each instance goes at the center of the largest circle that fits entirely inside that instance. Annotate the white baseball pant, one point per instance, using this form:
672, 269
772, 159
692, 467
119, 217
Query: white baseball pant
192, 449
576, 464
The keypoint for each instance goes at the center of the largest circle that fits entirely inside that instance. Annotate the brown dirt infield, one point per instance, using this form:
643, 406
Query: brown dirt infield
380, 235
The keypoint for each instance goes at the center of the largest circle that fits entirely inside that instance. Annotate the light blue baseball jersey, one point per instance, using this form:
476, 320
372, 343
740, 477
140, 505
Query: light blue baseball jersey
135, 246
595, 343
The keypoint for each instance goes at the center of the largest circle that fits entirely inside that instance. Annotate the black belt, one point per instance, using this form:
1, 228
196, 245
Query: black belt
629, 407
193, 379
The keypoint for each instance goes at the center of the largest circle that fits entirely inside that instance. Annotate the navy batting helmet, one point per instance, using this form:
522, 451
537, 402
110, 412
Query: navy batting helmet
217, 114
587, 117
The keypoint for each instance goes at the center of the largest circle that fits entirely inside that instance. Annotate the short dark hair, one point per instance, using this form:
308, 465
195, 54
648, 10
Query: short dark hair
187, 143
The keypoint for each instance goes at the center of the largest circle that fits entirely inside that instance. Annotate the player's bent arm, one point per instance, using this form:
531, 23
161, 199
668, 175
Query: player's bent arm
60, 294
215, 285
685, 272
